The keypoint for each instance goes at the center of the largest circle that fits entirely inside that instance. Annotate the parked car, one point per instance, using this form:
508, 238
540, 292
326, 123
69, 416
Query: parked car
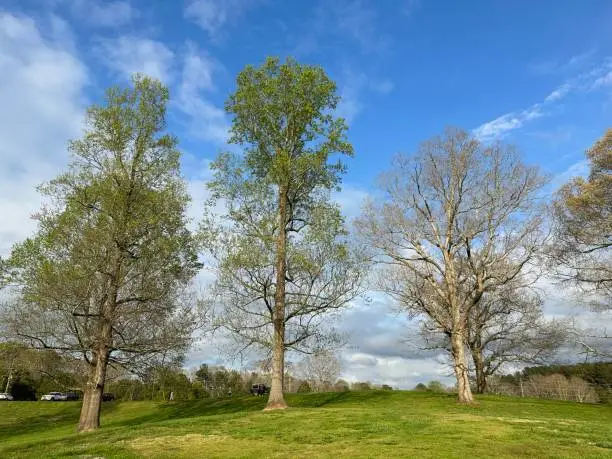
54, 397
72, 396
259, 389
108, 397
5, 396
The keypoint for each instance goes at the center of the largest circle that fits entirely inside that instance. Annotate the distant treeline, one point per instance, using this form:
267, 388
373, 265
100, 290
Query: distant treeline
28, 374
583, 382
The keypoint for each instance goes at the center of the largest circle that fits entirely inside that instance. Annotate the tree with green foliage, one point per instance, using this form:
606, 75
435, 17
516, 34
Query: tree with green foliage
282, 251
105, 277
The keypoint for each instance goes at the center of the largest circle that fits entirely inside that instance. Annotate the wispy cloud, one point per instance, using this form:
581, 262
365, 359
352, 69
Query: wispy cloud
103, 13
213, 15
384, 86
595, 78
561, 67
501, 125
340, 23
605, 80
204, 119
352, 87
410, 6
578, 169
189, 74
558, 93
127, 55
358, 21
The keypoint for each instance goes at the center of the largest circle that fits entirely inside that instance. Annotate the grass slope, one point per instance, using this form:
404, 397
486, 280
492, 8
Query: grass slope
352, 424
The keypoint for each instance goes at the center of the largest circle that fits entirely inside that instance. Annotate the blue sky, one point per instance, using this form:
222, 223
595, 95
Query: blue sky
537, 74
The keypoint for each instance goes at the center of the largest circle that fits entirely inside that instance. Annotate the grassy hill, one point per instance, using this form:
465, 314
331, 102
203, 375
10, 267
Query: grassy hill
351, 424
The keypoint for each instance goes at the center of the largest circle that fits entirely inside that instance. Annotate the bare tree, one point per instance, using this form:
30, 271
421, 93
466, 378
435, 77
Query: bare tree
459, 220
505, 328
581, 251
582, 248
321, 370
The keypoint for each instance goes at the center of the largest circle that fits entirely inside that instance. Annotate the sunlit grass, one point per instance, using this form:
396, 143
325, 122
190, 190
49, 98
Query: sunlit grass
355, 424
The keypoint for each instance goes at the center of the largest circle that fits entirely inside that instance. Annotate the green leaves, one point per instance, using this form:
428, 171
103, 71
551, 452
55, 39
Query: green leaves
112, 245
283, 120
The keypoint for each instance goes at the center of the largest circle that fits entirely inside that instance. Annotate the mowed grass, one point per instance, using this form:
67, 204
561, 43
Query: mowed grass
338, 425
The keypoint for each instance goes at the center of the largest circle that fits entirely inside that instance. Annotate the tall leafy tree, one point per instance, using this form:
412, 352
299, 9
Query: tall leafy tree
283, 257
459, 220
105, 276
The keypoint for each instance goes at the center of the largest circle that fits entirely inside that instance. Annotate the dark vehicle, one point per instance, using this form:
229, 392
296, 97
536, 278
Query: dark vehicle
72, 396
259, 389
108, 397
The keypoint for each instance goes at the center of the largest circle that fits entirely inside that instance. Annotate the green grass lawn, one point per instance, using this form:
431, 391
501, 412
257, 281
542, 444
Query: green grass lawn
338, 425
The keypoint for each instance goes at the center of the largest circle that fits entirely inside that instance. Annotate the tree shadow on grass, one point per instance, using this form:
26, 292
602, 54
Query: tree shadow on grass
66, 414
194, 408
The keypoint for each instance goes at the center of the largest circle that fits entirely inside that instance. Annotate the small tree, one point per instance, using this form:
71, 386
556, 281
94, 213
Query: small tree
282, 253
320, 370
460, 220
435, 386
420, 387
104, 277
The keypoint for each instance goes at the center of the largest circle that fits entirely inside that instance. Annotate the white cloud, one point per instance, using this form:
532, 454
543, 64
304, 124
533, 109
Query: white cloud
595, 78
579, 169
350, 105
350, 199
190, 76
605, 80
558, 93
127, 55
103, 13
204, 119
213, 15
384, 86
352, 88
358, 21
41, 88
338, 24
554, 67
502, 125
398, 372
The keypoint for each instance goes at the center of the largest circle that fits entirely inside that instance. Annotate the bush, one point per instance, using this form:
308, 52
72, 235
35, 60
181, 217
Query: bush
435, 386
304, 388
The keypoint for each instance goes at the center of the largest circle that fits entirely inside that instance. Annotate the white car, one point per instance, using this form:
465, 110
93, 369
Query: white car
5, 396
55, 397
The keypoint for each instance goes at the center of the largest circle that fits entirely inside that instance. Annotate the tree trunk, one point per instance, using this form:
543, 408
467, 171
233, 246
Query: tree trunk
464, 392
9, 378
277, 400
481, 378
92, 397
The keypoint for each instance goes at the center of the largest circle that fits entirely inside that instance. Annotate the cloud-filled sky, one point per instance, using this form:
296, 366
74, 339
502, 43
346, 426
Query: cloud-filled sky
537, 74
